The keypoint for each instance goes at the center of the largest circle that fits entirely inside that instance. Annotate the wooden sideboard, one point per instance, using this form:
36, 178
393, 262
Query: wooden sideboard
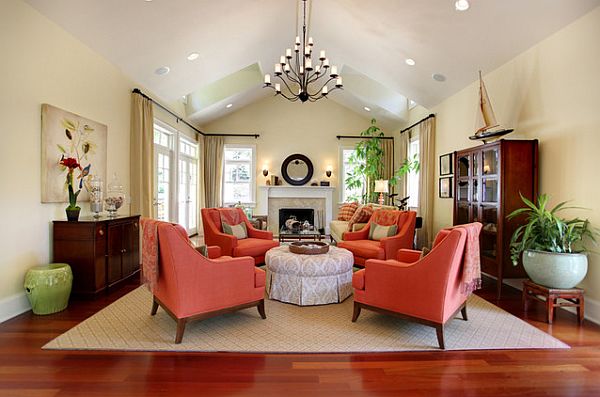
488, 181
101, 252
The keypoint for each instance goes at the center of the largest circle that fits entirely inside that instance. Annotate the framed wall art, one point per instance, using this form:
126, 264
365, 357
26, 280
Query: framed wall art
446, 164
445, 187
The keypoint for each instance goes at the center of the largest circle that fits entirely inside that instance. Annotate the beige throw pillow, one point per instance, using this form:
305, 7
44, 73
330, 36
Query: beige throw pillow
377, 232
239, 231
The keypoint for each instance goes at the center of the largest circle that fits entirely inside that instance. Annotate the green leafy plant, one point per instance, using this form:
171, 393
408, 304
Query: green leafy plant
544, 230
368, 165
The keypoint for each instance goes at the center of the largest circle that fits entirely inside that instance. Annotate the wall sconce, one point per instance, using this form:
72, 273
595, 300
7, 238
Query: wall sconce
265, 170
328, 172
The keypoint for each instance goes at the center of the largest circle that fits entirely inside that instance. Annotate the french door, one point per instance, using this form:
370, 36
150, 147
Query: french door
188, 194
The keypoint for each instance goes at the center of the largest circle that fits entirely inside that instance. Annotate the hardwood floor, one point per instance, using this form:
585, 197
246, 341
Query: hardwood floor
26, 370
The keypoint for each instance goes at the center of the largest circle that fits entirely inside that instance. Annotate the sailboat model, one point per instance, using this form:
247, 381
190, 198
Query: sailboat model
489, 128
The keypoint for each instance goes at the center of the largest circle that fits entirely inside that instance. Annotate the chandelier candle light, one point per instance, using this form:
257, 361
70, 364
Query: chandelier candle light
304, 81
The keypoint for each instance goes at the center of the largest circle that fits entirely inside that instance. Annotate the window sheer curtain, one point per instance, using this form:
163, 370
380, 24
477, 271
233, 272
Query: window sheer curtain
426, 181
213, 170
402, 142
142, 156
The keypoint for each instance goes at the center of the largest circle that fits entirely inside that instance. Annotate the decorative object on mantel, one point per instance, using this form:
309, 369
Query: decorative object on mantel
324, 183
304, 81
274, 180
486, 120
551, 247
115, 196
297, 169
66, 136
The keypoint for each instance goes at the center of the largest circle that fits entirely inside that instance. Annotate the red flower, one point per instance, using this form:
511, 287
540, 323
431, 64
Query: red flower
70, 162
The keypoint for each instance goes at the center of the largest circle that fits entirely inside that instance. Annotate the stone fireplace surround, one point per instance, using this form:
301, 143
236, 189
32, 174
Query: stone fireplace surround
319, 198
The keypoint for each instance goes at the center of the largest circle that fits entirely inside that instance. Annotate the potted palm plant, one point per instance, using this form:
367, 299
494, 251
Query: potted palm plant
551, 247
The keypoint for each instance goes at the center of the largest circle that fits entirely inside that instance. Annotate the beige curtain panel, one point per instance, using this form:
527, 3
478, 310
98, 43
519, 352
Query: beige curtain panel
142, 156
213, 170
426, 180
387, 145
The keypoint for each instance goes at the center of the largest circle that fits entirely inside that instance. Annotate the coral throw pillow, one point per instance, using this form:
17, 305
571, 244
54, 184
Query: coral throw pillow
362, 215
346, 211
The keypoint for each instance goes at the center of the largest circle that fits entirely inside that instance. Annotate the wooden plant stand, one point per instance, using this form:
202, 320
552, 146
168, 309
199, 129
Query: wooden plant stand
568, 298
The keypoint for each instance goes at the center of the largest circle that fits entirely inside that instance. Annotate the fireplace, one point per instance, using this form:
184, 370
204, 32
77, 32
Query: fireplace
301, 215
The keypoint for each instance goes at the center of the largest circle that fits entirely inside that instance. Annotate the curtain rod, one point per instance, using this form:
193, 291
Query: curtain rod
362, 137
417, 123
178, 118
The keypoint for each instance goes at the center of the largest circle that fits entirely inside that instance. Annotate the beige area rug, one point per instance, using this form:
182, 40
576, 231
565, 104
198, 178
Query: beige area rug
127, 325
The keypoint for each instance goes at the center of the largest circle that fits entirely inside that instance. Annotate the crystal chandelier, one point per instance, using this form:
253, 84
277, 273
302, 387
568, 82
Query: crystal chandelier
302, 80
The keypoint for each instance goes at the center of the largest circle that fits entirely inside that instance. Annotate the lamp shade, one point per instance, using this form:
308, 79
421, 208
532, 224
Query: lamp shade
381, 186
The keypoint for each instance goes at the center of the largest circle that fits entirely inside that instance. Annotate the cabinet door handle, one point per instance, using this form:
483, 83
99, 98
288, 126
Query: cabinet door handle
101, 232
135, 225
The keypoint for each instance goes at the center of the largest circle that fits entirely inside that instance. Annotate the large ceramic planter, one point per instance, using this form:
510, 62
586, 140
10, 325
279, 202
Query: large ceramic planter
555, 270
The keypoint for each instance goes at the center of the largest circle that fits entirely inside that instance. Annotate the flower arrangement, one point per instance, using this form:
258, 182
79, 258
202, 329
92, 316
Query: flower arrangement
71, 159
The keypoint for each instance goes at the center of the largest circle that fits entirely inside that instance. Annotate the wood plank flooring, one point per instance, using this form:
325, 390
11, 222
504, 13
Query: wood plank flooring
26, 370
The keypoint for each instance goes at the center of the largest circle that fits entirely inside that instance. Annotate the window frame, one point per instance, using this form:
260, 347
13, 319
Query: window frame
414, 175
252, 182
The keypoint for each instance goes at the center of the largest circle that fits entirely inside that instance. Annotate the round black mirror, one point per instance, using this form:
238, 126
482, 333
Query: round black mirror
297, 169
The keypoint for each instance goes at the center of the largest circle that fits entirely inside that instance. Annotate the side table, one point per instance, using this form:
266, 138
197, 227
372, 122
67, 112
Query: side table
554, 297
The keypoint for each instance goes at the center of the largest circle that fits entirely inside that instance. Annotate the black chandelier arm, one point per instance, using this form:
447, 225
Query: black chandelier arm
286, 84
324, 84
318, 76
292, 99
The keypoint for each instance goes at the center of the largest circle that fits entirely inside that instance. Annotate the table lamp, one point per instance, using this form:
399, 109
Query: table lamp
381, 186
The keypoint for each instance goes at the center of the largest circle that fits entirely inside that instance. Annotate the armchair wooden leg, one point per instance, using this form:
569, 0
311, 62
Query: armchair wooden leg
261, 309
180, 329
463, 311
440, 335
356, 313
154, 306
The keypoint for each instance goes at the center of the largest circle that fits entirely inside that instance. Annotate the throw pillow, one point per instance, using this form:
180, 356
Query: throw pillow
362, 215
346, 211
424, 252
239, 231
377, 232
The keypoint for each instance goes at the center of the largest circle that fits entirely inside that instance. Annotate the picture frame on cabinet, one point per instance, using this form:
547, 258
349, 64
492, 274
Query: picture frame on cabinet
446, 164
445, 187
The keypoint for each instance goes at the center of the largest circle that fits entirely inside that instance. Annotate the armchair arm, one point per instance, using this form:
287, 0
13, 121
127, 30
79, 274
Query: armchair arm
361, 234
214, 251
257, 233
404, 239
408, 256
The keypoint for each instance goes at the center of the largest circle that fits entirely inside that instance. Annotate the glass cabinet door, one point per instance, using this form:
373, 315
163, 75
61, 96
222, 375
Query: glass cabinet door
489, 232
463, 166
490, 162
489, 190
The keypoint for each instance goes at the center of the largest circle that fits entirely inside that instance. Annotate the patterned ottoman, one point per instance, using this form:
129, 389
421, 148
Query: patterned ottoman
309, 279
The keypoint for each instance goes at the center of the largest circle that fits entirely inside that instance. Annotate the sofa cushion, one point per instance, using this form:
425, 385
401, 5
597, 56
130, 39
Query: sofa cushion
377, 232
362, 215
239, 231
346, 211
253, 247
364, 248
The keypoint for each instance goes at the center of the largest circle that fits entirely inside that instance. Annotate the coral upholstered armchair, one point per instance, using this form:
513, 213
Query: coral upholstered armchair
363, 248
255, 245
429, 290
190, 286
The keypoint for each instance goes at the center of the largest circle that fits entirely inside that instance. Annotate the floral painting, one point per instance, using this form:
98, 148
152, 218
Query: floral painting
66, 135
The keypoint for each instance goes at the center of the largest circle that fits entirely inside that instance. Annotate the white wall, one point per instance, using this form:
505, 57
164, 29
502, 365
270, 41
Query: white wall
286, 128
41, 63
551, 92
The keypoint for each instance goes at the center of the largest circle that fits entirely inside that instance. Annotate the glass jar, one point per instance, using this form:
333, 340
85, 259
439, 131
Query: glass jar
115, 196
96, 195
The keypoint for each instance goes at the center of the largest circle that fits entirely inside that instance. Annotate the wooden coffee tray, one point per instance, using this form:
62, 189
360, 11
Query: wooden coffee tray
309, 247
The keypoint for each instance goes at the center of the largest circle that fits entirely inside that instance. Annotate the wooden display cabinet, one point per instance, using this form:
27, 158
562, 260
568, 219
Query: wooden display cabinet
101, 252
488, 180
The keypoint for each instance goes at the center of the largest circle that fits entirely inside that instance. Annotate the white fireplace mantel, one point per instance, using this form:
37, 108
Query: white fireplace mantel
323, 192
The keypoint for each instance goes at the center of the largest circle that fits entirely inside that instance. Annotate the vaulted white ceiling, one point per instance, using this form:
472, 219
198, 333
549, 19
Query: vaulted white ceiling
368, 40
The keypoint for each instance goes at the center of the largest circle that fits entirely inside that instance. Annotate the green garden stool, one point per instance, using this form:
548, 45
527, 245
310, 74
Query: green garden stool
48, 287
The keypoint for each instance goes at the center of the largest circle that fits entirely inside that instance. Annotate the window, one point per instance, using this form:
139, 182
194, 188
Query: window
175, 178
349, 194
239, 181
412, 185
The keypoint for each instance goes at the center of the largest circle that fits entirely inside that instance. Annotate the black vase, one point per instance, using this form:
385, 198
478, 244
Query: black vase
73, 215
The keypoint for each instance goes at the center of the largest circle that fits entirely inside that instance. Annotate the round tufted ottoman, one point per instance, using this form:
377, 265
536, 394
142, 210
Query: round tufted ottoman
309, 279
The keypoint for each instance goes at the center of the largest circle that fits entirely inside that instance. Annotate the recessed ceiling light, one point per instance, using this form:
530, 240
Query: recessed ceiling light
229, 105
162, 70
438, 77
368, 109
193, 56
410, 61
461, 5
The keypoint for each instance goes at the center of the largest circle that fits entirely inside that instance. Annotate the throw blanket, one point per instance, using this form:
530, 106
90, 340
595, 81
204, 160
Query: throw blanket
149, 252
471, 269
230, 216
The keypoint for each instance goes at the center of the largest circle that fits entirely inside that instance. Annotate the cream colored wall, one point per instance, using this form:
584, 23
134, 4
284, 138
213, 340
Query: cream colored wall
286, 128
551, 93
41, 63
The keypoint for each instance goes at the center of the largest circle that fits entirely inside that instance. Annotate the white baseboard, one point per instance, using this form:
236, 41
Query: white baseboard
592, 306
13, 306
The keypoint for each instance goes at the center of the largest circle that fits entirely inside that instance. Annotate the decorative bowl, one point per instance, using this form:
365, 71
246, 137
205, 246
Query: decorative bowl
309, 247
